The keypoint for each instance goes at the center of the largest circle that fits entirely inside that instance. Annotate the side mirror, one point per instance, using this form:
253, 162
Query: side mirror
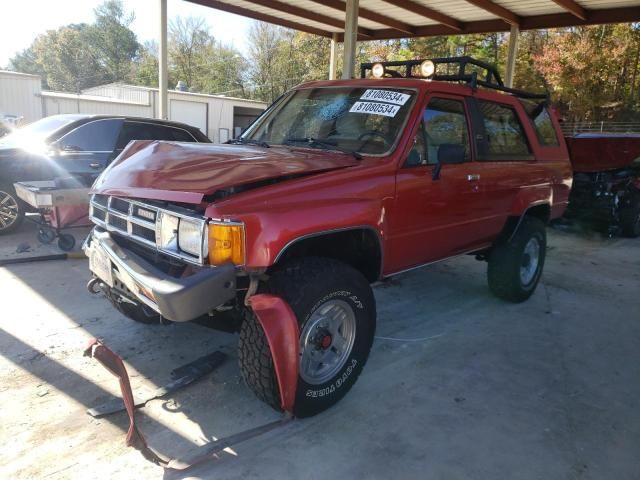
448, 154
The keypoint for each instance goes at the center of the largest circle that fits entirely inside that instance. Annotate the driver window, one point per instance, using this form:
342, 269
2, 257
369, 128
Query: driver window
445, 125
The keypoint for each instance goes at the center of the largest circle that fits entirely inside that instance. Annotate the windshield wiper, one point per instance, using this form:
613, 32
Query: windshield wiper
245, 141
315, 142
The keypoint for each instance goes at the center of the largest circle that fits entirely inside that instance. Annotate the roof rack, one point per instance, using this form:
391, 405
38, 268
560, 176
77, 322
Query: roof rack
490, 78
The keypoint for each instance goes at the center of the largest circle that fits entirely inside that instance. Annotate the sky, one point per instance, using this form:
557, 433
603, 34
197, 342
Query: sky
23, 20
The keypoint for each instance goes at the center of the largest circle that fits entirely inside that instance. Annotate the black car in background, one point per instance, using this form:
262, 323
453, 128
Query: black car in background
79, 146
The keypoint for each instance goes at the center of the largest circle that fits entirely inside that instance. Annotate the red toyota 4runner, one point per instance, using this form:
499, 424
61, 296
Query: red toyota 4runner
337, 185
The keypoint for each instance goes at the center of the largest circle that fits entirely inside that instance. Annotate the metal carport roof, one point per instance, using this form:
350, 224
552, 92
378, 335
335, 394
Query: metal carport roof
385, 19
351, 20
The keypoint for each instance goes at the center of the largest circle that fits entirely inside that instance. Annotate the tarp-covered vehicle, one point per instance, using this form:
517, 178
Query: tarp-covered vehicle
606, 183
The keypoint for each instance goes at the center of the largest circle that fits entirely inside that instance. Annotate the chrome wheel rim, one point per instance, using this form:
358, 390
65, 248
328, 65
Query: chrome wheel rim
8, 210
326, 341
530, 261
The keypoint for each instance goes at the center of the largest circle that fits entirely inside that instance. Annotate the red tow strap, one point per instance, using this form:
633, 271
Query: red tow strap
114, 364
135, 439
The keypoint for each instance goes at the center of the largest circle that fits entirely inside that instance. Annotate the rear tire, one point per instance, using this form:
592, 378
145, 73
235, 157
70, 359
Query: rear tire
336, 315
11, 209
515, 266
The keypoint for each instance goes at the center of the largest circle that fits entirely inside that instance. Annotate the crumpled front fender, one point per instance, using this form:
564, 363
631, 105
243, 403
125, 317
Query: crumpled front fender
281, 329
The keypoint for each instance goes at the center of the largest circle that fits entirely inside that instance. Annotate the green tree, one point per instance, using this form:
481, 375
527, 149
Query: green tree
590, 70
111, 40
75, 57
190, 48
66, 62
266, 58
145, 66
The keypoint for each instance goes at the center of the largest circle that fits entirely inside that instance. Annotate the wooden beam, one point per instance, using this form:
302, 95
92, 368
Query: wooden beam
537, 22
594, 17
245, 12
573, 8
307, 14
506, 15
429, 13
557, 20
371, 15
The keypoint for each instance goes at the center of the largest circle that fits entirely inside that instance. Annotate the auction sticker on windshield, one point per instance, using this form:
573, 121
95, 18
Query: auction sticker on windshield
388, 96
375, 108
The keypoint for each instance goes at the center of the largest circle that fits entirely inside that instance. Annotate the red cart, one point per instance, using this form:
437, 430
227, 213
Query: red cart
60, 207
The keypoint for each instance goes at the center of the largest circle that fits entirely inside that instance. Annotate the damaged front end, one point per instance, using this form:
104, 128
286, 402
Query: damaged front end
166, 260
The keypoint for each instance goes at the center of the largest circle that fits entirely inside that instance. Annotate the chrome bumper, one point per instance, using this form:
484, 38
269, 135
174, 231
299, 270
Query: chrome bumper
176, 299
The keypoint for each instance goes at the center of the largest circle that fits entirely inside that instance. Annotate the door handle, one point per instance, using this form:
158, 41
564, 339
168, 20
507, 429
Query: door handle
94, 165
473, 177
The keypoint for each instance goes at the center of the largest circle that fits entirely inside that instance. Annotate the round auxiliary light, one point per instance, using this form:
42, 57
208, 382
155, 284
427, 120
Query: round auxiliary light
427, 68
377, 70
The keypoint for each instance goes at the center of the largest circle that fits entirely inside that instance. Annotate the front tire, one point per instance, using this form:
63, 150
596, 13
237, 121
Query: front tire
515, 266
11, 209
136, 312
336, 315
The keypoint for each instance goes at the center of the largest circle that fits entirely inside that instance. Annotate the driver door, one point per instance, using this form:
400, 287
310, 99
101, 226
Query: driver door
437, 214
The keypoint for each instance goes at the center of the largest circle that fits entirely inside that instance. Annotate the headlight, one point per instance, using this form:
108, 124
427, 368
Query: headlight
226, 243
190, 237
167, 234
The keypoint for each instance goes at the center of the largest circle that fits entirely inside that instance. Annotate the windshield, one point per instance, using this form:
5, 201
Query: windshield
361, 119
37, 131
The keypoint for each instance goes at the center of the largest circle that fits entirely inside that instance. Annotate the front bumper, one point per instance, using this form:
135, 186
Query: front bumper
176, 299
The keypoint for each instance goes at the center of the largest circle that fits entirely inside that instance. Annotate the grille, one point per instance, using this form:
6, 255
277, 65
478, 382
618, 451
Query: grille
99, 214
114, 213
136, 221
120, 205
118, 223
143, 232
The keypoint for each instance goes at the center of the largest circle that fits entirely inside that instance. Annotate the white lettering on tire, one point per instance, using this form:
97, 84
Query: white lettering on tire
339, 382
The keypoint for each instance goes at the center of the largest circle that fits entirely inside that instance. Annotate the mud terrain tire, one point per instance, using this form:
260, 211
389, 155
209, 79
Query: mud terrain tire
316, 289
515, 266
137, 313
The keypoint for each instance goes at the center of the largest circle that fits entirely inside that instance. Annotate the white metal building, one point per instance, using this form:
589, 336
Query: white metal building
20, 96
219, 117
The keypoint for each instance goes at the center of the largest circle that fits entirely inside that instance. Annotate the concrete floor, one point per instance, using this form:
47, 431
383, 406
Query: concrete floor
459, 385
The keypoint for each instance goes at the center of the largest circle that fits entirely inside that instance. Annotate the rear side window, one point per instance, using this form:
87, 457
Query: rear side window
150, 131
544, 129
96, 136
180, 135
505, 139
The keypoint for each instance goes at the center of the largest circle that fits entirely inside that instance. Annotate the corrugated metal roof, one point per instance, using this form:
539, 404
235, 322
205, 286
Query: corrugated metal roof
383, 19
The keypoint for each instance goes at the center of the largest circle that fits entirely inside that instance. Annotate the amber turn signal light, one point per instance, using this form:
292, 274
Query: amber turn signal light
226, 243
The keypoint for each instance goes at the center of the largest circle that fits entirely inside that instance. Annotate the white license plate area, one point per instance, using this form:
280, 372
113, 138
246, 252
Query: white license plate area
100, 265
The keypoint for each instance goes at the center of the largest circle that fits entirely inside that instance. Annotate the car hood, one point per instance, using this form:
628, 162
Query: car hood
185, 173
